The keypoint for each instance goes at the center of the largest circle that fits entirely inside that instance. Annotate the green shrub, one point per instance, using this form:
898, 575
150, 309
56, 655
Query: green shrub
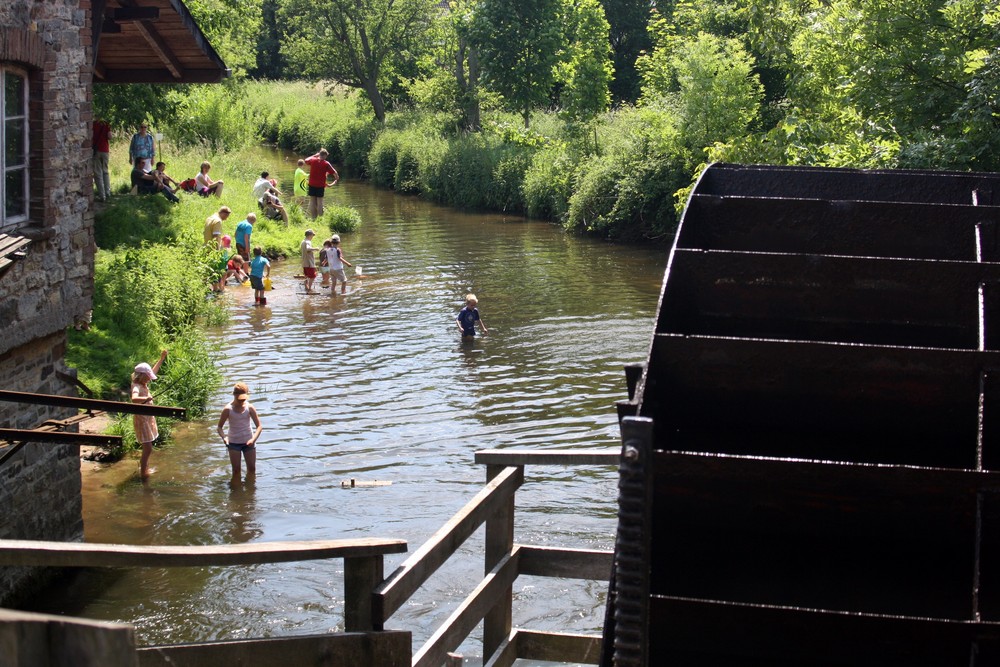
383, 158
548, 183
506, 192
340, 219
406, 180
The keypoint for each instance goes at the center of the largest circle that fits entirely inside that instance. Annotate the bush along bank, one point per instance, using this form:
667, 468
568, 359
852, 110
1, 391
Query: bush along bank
618, 180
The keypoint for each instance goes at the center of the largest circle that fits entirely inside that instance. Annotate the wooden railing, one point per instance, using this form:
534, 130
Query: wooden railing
491, 601
363, 571
371, 600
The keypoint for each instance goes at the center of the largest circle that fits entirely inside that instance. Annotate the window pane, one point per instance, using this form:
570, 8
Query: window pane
13, 95
15, 202
14, 143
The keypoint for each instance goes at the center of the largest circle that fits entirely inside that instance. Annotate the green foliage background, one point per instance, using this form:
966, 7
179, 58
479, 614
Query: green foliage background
843, 83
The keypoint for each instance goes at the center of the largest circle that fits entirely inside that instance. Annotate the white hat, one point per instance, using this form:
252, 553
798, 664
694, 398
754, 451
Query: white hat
145, 369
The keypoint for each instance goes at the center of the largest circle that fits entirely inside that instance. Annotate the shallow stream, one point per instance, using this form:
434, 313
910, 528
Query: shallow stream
376, 385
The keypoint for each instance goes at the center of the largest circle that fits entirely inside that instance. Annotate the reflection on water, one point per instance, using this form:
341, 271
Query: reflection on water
377, 385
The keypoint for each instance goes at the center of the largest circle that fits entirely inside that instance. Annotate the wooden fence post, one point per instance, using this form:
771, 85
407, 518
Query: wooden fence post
499, 543
361, 576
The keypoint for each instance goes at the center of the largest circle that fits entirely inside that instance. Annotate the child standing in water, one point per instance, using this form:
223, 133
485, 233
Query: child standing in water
242, 437
308, 261
260, 268
337, 262
468, 316
324, 263
145, 425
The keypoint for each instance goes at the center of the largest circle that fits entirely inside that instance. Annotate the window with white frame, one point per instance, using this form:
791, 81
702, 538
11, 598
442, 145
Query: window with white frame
14, 138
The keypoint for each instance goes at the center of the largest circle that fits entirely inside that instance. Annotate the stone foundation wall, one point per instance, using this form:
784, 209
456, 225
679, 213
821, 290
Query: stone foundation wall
49, 43
40, 484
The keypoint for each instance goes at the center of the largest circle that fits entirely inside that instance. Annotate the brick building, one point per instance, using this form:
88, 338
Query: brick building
51, 54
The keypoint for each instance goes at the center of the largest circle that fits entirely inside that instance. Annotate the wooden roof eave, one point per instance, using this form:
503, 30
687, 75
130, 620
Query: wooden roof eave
199, 38
163, 65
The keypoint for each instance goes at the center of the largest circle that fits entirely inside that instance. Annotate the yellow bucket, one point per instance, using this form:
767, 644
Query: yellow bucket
267, 283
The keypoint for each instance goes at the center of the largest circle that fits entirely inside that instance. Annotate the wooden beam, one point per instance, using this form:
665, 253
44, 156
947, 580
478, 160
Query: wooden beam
122, 14
710, 632
350, 649
361, 576
93, 404
59, 437
498, 621
31, 640
568, 563
549, 457
81, 554
416, 569
506, 653
559, 647
463, 620
161, 49
118, 75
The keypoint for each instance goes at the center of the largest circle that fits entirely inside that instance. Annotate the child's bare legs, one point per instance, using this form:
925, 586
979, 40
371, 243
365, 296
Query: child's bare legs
144, 470
315, 206
234, 460
250, 454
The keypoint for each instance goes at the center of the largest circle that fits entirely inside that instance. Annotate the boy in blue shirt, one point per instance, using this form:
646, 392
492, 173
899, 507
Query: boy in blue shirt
260, 268
468, 316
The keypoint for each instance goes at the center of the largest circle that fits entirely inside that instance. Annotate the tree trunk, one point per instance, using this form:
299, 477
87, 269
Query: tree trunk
472, 118
375, 97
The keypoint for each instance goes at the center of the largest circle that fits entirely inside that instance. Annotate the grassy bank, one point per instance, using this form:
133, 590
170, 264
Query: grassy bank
153, 274
619, 179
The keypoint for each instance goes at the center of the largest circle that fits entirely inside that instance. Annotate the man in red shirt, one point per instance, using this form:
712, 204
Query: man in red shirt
319, 168
102, 147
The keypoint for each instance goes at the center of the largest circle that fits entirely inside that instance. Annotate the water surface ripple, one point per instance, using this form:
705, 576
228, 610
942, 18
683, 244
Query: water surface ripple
376, 385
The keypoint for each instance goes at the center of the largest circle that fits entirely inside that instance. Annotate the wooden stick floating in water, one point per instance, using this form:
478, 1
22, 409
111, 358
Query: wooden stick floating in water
363, 483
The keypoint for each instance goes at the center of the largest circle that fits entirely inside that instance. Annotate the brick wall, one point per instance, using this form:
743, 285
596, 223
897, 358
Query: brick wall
42, 294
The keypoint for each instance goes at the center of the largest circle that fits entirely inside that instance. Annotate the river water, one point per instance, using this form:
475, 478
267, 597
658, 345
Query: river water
376, 385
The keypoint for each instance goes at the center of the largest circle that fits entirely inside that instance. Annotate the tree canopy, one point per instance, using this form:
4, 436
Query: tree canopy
362, 44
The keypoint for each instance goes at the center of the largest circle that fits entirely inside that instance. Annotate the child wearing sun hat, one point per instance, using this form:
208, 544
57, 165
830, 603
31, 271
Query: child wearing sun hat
145, 425
244, 429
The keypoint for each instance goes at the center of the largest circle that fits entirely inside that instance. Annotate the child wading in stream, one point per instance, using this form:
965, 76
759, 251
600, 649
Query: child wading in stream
242, 438
145, 425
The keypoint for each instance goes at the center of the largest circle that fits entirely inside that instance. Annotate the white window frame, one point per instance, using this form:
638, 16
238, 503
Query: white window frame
8, 220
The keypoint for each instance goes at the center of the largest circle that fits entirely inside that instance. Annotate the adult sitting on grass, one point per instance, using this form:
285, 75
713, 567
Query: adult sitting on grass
204, 183
267, 198
145, 183
164, 180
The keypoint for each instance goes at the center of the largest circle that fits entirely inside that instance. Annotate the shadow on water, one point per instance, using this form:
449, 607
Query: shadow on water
377, 385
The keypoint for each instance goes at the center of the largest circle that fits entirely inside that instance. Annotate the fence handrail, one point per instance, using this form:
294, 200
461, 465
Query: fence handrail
89, 554
555, 457
426, 560
473, 609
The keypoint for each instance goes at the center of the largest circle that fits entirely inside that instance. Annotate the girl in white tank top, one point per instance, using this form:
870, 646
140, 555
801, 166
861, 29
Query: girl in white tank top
242, 438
